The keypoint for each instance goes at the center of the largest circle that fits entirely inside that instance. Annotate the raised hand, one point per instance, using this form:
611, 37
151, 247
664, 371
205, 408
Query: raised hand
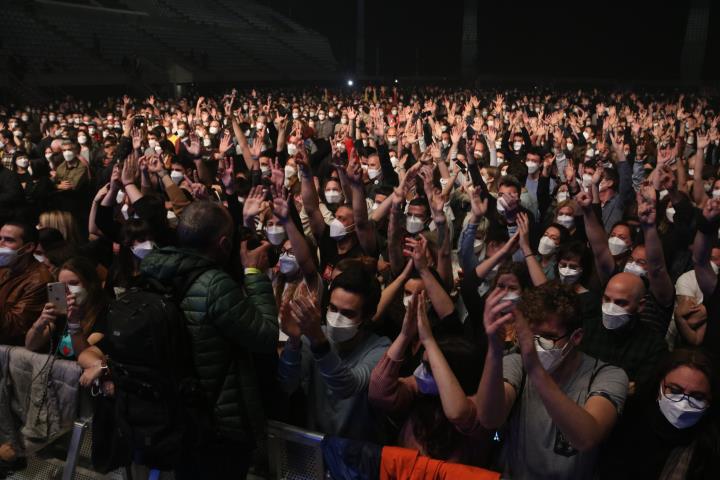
194, 147
417, 250
306, 313
115, 179
227, 174
646, 201
280, 205
423, 324
702, 141
137, 138
478, 206
570, 172
410, 325
583, 199
154, 164
711, 210
130, 171
277, 175
253, 202
258, 144
225, 143
524, 231
496, 316
353, 170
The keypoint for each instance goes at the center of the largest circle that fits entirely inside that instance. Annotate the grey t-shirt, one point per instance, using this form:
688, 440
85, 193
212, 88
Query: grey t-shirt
534, 447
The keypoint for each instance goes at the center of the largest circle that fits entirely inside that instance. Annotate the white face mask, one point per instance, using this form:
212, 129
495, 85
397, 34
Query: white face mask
551, 359
213, 130
40, 258
332, 196
566, 221
265, 171
517, 146
394, 161
512, 297
715, 267
617, 245
570, 146
716, 193
532, 167
290, 171
295, 115
79, 292
82, 139
340, 328
670, 214
678, 411
562, 196
22, 162
176, 177
589, 153
288, 264
635, 269
414, 224
152, 143
586, 180
292, 149
586, 135
68, 155
275, 234
181, 132
569, 276
373, 173
48, 156
207, 142
614, 316
546, 246
7, 256
392, 140
259, 126
337, 229
140, 250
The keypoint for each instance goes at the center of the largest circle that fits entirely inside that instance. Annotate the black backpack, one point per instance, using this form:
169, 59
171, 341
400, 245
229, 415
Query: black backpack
159, 405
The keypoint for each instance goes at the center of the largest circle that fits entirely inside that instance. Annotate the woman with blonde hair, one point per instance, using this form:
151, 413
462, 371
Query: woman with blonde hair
64, 222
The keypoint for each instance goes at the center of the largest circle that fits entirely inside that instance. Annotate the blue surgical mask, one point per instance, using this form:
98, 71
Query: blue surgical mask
425, 380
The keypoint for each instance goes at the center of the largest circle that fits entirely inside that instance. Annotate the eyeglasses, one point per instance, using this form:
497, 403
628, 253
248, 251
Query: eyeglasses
677, 394
549, 343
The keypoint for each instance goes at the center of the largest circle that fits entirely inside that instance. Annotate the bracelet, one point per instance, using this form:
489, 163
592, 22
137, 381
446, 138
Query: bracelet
529, 255
252, 271
126, 184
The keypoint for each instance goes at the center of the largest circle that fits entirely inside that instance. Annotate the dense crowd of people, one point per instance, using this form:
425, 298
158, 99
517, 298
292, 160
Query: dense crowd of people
523, 281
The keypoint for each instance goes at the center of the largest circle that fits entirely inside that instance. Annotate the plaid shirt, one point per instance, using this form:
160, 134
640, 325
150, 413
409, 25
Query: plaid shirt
636, 348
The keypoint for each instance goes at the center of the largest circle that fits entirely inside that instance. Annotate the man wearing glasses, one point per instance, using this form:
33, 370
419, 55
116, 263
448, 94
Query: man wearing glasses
555, 403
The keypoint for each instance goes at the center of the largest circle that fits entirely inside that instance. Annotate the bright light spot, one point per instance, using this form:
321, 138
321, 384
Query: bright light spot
396, 80
350, 83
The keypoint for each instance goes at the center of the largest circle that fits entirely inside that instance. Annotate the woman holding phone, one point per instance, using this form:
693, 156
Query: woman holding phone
69, 334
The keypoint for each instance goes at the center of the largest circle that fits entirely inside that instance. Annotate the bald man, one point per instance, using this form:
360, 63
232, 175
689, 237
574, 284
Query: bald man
616, 335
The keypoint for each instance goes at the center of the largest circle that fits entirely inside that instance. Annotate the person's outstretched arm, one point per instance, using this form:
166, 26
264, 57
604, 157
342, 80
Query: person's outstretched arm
604, 262
661, 285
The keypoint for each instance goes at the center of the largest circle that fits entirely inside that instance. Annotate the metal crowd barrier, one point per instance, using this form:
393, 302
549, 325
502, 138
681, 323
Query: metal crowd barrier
294, 453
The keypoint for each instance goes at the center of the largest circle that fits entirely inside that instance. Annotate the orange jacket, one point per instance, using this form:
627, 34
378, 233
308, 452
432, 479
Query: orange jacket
404, 464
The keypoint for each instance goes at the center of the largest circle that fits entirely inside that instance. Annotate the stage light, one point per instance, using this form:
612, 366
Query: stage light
350, 83
396, 80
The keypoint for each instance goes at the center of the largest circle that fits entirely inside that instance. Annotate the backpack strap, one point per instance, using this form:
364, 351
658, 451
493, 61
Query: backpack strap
180, 286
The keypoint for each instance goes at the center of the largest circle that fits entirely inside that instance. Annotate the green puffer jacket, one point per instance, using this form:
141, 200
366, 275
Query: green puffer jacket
227, 322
